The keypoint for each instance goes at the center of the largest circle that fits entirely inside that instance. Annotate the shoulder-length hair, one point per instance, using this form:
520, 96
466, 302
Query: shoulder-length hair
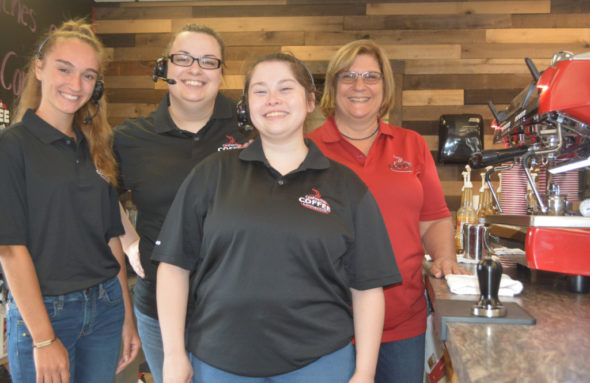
343, 60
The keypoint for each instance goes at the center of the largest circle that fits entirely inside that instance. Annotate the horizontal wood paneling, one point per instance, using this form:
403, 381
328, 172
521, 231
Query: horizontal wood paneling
453, 8
449, 57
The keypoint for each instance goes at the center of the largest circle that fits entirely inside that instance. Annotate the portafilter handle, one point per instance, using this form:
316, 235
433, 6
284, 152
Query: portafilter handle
489, 274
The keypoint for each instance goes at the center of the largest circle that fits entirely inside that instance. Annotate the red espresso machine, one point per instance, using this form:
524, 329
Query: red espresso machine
548, 124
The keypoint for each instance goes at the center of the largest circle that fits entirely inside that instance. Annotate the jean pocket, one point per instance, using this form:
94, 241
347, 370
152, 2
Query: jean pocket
51, 306
111, 293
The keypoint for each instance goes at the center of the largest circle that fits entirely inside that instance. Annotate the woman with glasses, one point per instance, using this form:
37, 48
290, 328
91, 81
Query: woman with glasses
155, 153
398, 168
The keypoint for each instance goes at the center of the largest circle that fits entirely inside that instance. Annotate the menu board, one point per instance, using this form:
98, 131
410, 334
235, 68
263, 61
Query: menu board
22, 25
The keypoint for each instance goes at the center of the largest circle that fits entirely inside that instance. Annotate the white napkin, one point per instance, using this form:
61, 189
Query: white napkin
469, 285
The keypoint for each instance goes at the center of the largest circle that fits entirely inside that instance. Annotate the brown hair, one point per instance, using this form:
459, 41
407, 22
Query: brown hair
98, 131
300, 71
198, 28
343, 60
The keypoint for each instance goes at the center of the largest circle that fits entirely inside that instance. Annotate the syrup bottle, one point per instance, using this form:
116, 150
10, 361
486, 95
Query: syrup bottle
466, 213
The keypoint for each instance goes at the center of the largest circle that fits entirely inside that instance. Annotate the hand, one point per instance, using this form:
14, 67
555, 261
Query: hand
52, 363
359, 378
446, 266
135, 259
177, 369
131, 344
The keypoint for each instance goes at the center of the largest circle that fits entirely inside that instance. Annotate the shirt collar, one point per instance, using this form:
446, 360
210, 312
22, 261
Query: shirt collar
332, 134
163, 121
314, 159
44, 131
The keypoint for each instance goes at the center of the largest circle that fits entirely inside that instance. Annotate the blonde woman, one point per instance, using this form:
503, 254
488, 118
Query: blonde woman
69, 308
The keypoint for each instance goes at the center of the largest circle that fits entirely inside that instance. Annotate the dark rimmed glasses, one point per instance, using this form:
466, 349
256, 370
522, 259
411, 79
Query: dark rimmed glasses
370, 77
205, 62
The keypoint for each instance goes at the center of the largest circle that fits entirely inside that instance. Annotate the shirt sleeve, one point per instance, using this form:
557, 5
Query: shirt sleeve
179, 241
13, 227
434, 206
116, 225
372, 262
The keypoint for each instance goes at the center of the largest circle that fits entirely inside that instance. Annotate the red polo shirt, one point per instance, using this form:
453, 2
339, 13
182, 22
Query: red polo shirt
402, 176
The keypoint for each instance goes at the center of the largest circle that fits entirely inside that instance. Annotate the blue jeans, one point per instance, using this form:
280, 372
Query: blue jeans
151, 343
87, 322
336, 367
401, 361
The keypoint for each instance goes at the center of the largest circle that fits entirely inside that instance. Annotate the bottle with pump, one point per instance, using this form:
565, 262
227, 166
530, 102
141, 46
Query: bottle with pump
466, 213
485, 200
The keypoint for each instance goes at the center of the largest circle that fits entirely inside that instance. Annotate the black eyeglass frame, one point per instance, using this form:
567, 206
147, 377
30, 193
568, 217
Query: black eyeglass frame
363, 75
199, 60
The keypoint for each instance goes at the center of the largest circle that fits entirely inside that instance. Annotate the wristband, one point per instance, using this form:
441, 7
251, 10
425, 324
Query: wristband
45, 343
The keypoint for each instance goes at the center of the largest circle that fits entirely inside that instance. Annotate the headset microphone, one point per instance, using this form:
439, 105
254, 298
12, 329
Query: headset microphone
89, 117
161, 71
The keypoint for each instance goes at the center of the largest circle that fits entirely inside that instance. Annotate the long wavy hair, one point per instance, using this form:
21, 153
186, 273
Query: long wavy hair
98, 131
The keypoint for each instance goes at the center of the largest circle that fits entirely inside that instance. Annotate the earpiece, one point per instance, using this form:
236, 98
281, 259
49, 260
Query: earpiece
98, 91
244, 123
161, 71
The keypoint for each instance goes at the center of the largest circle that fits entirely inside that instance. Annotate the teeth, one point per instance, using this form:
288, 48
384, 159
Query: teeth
70, 97
275, 114
359, 99
193, 83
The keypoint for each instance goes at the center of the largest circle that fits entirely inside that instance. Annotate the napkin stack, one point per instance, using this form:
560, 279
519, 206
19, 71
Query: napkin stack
469, 285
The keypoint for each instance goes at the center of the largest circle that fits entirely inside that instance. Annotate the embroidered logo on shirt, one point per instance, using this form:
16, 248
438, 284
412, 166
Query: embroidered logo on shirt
315, 202
399, 165
230, 145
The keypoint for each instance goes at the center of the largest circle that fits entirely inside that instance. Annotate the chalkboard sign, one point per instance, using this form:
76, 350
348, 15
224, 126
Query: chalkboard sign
22, 24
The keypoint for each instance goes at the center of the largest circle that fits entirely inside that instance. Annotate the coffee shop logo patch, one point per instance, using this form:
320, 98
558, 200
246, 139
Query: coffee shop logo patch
399, 165
230, 145
315, 202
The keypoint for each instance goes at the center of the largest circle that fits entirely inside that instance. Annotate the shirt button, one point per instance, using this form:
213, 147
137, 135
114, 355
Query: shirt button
281, 181
69, 142
77, 161
196, 138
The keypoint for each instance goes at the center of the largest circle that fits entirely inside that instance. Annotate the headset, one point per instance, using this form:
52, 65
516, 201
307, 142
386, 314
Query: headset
243, 115
161, 71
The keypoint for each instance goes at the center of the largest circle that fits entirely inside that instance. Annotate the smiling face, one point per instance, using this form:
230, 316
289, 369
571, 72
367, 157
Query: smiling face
193, 83
68, 73
359, 102
278, 103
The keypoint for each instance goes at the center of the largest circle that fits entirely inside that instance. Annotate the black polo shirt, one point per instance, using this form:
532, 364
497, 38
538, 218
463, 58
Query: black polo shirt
55, 203
154, 158
273, 258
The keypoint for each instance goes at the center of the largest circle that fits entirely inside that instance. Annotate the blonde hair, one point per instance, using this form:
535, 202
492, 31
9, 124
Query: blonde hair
98, 131
342, 60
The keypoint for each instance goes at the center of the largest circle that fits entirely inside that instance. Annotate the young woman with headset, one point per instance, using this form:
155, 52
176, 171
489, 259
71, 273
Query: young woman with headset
69, 307
269, 244
156, 152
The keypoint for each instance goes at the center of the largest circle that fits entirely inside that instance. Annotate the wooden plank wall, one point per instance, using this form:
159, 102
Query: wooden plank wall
448, 56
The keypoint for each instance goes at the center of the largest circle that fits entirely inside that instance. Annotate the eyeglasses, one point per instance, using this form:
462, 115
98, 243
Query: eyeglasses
204, 62
371, 77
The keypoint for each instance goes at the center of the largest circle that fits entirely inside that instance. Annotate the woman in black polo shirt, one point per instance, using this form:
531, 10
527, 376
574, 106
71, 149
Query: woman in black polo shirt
271, 245
69, 307
156, 152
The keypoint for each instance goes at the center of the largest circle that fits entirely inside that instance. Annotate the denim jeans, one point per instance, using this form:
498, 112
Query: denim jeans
337, 367
151, 343
401, 361
87, 322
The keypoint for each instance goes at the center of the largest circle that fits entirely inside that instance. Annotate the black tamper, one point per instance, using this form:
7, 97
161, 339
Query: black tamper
489, 273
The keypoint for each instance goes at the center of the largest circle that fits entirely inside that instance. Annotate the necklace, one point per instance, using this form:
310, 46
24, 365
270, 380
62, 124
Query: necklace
362, 138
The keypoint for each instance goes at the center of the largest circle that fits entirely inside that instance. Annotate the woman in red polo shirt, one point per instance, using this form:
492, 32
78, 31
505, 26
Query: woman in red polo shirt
397, 166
